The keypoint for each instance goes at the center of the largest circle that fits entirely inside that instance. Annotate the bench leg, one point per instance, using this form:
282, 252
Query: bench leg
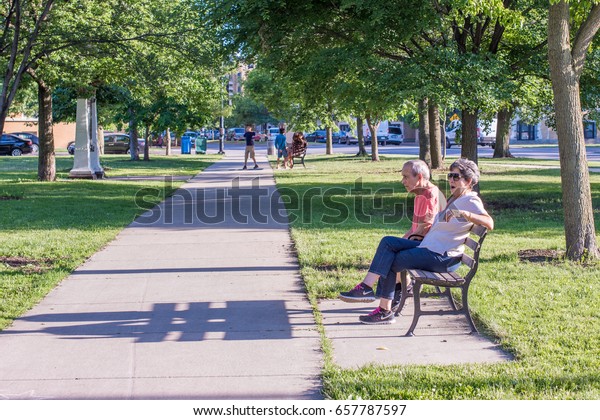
405, 280
465, 308
417, 313
448, 293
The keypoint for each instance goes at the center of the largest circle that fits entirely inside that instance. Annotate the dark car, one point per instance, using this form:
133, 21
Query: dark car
113, 143
318, 136
14, 145
341, 137
35, 146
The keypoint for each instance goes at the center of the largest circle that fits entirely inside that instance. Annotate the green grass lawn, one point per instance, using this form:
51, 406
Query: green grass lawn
546, 314
49, 228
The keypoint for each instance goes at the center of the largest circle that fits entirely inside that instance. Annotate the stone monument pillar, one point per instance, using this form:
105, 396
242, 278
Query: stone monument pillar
86, 161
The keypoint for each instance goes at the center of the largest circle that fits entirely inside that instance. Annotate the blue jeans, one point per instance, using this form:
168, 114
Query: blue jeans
397, 254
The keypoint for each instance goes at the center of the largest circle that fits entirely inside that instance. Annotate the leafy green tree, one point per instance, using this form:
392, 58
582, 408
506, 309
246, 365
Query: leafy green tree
567, 52
22, 22
142, 45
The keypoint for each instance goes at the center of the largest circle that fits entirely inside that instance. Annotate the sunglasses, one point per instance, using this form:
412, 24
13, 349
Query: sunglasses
454, 176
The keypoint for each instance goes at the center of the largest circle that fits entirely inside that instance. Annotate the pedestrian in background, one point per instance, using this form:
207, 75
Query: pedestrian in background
281, 146
249, 136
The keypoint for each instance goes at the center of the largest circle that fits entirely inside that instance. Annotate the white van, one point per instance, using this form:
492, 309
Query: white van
387, 132
395, 135
272, 133
486, 135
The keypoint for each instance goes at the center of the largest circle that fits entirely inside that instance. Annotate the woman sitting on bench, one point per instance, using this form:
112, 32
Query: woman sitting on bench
297, 148
440, 249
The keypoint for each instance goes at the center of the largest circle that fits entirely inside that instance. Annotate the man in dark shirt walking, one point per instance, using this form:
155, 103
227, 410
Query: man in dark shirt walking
249, 136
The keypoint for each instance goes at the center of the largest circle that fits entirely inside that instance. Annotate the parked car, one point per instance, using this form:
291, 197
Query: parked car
395, 135
236, 133
113, 143
35, 141
14, 145
354, 140
193, 135
320, 136
118, 143
340, 137
211, 134
317, 136
272, 133
451, 142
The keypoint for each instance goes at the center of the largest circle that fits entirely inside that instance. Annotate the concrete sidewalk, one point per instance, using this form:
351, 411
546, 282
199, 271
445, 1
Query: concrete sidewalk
201, 298
183, 304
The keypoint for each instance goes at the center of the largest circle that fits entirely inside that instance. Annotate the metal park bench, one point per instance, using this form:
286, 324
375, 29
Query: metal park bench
298, 152
446, 281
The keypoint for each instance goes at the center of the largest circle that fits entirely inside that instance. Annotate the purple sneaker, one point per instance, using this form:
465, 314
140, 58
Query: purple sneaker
361, 293
378, 316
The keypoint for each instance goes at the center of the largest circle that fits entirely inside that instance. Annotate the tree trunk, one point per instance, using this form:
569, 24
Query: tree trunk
328, 140
147, 143
361, 138
503, 133
469, 135
435, 137
580, 232
424, 139
442, 124
46, 158
133, 136
373, 130
168, 140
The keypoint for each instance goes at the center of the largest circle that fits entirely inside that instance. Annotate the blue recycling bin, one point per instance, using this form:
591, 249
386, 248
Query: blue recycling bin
186, 145
201, 145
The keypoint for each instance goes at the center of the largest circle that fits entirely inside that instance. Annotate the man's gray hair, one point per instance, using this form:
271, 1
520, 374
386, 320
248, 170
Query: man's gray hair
468, 169
419, 167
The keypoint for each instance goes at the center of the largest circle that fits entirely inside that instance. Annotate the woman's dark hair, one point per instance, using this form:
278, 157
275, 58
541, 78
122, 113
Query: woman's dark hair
468, 169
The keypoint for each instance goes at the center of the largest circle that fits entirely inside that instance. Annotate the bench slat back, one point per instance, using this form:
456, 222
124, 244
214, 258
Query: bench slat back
299, 150
471, 243
467, 260
472, 261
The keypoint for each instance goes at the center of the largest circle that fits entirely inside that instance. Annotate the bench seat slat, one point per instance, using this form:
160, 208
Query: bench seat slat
437, 279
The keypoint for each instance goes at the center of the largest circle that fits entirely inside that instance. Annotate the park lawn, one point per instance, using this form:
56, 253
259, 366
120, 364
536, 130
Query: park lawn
50, 228
547, 315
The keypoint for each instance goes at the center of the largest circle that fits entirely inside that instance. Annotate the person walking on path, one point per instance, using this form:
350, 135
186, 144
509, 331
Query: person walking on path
429, 200
441, 248
281, 146
249, 136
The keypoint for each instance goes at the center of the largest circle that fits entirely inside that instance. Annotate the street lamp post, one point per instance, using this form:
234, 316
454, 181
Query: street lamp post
221, 131
222, 126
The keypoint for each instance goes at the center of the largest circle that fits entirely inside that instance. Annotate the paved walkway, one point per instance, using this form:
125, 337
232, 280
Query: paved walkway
201, 298
177, 306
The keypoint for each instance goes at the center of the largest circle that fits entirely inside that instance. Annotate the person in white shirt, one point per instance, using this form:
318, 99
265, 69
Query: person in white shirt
440, 249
